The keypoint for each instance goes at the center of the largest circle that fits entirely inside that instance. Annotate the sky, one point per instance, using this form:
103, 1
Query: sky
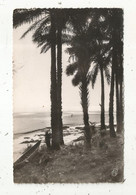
31, 79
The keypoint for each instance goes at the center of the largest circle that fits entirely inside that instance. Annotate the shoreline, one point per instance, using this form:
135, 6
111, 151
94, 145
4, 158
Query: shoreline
26, 139
16, 135
20, 145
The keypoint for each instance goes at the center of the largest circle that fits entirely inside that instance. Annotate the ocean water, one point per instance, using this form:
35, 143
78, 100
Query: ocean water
25, 122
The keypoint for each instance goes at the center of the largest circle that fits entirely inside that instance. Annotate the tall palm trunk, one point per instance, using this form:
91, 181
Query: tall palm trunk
102, 99
59, 83
54, 118
119, 81
84, 103
111, 102
121, 101
118, 102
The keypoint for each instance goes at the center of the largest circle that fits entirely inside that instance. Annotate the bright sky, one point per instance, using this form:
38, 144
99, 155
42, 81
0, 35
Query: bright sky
32, 79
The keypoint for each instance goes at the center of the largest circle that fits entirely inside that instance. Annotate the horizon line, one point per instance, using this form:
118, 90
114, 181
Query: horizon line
62, 111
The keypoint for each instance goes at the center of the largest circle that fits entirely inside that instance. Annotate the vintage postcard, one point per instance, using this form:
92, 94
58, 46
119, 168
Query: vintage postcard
69, 80
68, 95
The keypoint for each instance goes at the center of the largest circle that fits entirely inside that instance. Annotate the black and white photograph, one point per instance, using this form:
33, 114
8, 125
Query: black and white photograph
68, 95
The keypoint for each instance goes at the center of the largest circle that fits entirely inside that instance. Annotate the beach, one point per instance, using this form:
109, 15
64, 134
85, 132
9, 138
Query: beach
22, 142
31, 127
66, 163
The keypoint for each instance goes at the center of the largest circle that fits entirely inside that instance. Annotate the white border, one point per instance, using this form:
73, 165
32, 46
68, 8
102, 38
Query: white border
6, 177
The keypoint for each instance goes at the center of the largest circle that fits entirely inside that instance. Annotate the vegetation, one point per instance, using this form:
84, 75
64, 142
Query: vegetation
75, 164
94, 39
81, 53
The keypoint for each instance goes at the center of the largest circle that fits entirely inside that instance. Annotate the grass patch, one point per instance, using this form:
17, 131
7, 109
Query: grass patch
76, 164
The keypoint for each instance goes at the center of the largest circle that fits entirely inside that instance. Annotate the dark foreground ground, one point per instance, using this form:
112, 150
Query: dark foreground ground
75, 164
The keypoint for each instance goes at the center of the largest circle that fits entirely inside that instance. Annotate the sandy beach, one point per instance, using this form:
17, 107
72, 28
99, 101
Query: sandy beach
31, 127
24, 140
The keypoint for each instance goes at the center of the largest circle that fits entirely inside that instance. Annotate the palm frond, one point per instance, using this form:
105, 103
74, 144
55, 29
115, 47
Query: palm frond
76, 80
71, 50
106, 49
32, 27
45, 47
107, 59
68, 30
41, 40
94, 74
43, 28
71, 68
23, 16
107, 74
66, 38
88, 78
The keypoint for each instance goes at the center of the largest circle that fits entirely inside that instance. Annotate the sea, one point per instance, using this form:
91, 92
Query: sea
27, 122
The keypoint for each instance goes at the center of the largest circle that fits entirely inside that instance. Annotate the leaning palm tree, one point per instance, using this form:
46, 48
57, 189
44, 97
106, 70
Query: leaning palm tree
82, 79
81, 55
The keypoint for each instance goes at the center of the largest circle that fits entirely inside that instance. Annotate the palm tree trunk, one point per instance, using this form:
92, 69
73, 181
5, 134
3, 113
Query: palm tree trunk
118, 103
111, 103
121, 102
102, 100
59, 83
84, 103
54, 118
121, 82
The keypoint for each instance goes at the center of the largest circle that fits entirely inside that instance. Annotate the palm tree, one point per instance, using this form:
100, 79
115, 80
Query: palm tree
111, 101
119, 70
102, 64
102, 56
54, 116
116, 28
113, 31
64, 18
61, 19
43, 37
81, 51
82, 79
64, 21
42, 19
59, 74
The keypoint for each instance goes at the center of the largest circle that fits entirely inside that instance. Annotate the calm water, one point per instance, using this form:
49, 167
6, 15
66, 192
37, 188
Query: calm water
25, 122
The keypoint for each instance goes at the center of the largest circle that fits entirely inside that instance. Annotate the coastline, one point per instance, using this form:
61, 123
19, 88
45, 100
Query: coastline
23, 140
105, 151
31, 127
26, 139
